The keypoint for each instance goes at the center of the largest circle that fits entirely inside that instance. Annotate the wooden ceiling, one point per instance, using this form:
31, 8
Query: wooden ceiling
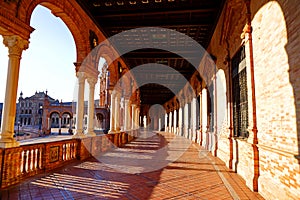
194, 18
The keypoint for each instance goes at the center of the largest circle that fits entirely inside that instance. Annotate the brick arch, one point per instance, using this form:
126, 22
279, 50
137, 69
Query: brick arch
70, 13
106, 52
54, 111
67, 112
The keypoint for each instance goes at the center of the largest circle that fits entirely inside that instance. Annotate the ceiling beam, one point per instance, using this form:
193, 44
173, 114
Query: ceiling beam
145, 12
109, 25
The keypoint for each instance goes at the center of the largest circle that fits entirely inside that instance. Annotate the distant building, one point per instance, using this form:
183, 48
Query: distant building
30, 109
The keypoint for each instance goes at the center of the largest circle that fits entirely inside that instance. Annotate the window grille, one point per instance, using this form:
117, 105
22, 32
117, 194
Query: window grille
240, 94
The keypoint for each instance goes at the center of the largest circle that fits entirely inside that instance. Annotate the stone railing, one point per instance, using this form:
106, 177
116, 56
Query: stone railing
19, 163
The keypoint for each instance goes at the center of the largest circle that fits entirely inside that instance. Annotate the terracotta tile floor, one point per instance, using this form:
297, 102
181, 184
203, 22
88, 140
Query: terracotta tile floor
151, 167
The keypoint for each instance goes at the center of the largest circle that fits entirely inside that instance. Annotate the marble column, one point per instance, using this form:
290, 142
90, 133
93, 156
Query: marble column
205, 142
166, 122
200, 120
186, 120
59, 124
170, 122
133, 106
159, 124
117, 112
15, 45
112, 112
175, 122
70, 125
194, 119
91, 106
80, 105
137, 118
126, 115
180, 121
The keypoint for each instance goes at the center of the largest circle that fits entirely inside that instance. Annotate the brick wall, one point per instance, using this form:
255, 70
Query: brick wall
276, 64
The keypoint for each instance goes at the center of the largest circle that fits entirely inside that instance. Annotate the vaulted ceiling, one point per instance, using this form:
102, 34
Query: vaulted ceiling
194, 18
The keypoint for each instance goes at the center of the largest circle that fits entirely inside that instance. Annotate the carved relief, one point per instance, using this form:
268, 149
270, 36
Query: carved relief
54, 154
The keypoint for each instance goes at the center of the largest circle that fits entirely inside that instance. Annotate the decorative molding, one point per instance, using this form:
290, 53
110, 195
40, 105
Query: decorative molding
54, 154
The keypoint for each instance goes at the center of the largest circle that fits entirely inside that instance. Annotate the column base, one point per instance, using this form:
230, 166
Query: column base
90, 133
111, 131
8, 143
79, 135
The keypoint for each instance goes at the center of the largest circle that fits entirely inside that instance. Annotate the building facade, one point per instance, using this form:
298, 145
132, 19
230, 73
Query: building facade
30, 109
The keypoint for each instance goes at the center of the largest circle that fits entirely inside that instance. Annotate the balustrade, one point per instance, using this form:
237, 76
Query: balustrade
28, 160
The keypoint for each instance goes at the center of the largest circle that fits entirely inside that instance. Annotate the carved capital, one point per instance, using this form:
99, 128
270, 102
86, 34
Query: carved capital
92, 81
81, 77
15, 44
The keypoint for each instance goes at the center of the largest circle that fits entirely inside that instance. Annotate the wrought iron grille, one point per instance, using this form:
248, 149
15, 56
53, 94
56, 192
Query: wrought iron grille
240, 94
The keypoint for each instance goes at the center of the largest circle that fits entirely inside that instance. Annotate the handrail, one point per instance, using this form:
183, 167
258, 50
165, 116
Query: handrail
19, 163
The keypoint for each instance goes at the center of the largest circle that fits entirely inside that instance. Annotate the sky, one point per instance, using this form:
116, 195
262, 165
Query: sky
48, 62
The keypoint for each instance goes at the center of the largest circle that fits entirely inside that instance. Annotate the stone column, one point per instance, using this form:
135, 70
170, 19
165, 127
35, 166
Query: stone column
117, 112
15, 45
80, 105
180, 121
170, 122
138, 121
194, 119
159, 124
133, 106
186, 120
112, 112
204, 118
91, 106
59, 125
175, 122
126, 115
166, 122
70, 125
200, 120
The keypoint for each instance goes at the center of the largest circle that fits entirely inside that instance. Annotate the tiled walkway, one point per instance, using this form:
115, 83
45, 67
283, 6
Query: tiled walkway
143, 169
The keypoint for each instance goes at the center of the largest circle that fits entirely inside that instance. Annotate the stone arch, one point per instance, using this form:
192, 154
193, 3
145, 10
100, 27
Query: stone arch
106, 52
55, 122
68, 113
70, 13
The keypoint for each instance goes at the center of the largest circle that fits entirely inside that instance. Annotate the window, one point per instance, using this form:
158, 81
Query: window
240, 94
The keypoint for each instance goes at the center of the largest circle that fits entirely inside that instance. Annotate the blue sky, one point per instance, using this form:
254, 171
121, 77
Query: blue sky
48, 62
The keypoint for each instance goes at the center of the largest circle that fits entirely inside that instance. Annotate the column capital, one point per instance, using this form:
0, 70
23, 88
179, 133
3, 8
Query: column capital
92, 81
15, 44
81, 76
